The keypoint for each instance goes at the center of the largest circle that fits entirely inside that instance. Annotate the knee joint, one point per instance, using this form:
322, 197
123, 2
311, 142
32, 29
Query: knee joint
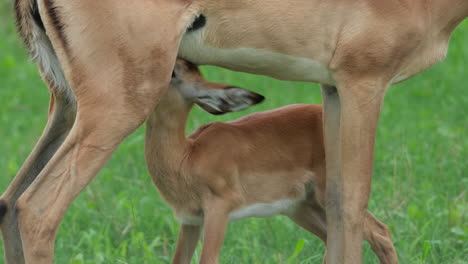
20, 206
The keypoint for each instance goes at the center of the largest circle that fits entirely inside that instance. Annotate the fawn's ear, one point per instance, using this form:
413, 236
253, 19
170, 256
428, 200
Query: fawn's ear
230, 99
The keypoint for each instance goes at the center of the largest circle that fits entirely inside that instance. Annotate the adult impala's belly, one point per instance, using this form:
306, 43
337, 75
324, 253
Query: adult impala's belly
257, 61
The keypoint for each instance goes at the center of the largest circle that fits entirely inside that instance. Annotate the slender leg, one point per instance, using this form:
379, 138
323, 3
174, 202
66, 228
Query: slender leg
350, 119
61, 117
117, 75
188, 239
97, 132
216, 220
312, 220
378, 236
331, 127
375, 232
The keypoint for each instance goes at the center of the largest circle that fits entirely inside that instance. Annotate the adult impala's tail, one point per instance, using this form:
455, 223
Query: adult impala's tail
31, 29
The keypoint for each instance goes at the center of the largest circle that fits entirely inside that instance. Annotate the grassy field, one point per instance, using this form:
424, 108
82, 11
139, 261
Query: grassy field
419, 188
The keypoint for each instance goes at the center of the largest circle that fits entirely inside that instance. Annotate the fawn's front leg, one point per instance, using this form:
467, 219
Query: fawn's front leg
215, 223
186, 244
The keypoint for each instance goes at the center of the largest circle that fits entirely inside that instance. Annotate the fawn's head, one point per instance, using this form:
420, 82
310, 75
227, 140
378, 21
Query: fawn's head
215, 98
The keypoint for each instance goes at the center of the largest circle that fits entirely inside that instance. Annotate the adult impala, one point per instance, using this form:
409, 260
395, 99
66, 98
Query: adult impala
109, 61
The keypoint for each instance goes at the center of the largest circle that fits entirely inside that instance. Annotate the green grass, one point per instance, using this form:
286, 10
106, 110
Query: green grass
419, 187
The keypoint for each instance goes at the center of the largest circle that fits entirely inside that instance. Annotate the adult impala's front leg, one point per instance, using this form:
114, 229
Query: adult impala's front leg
350, 120
117, 69
61, 117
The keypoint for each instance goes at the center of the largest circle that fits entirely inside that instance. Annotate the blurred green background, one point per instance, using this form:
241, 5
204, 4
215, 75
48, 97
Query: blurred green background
419, 185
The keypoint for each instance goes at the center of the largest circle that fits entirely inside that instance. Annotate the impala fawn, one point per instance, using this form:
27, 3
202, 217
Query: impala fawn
261, 165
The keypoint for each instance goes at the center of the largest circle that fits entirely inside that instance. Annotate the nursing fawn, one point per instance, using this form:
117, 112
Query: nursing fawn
261, 165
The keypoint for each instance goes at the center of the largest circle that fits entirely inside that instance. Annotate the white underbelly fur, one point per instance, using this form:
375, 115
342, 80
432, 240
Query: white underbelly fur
254, 210
276, 65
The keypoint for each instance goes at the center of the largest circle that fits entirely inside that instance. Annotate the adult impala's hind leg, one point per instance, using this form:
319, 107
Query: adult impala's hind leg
61, 118
98, 130
93, 138
117, 68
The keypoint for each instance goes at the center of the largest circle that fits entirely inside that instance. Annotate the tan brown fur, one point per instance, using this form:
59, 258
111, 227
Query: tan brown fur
24, 21
235, 164
116, 61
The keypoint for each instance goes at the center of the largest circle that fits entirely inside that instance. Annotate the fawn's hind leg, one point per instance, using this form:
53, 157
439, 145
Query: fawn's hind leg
380, 239
312, 219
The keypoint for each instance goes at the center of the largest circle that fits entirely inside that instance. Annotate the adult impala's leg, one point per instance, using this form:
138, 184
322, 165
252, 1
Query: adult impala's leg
331, 127
117, 68
350, 118
61, 118
187, 243
90, 143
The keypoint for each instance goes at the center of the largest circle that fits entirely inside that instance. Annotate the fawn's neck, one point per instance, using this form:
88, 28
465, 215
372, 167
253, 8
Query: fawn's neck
166, 143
